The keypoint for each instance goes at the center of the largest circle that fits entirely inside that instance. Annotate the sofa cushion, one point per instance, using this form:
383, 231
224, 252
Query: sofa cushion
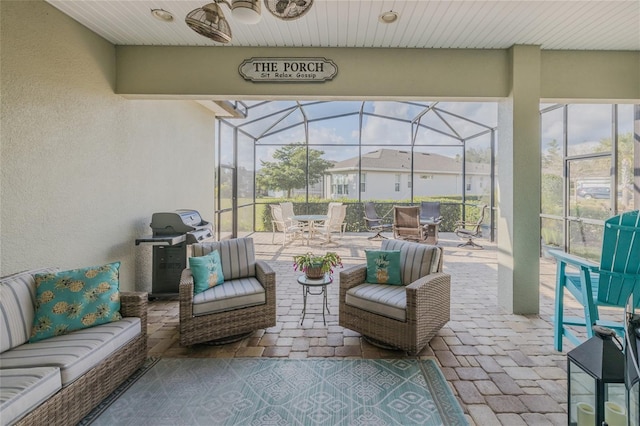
235, 294
383, 299
416, 260
75, 299
237, 256
17, 307
24, 389
383, 267
74, 353
206, 271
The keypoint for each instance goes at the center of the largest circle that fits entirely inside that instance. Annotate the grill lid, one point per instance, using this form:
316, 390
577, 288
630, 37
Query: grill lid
178, 222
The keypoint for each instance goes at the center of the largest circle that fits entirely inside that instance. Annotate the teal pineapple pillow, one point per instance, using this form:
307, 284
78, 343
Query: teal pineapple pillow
206, 271
72, 300
383, 267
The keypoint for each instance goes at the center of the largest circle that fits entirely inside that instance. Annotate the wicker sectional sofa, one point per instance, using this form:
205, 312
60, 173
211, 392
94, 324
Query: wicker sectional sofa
59, 380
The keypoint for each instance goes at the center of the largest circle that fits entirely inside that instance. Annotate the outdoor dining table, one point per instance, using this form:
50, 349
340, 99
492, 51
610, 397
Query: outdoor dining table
310, 221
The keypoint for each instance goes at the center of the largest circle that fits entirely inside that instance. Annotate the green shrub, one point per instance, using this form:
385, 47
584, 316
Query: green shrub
450, 209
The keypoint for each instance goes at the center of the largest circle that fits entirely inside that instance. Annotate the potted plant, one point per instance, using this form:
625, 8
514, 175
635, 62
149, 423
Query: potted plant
315, 265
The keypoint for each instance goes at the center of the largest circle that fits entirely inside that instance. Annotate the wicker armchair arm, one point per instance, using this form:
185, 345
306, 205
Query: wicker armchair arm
266, 275
134, 304
353, 276
426, 293
185, 293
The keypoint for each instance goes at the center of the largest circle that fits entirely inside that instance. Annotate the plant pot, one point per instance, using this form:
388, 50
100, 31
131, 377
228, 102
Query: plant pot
314, 272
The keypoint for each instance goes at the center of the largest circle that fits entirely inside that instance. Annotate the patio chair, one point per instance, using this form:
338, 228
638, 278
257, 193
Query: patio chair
593, 285
404, 316
374, 222
334, 223
406, 223
287, 212
430, 212
243, 303
280, 224
471, 230
430, 218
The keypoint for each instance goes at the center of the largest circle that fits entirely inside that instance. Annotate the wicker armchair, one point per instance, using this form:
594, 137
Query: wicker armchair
410, 317
214, 314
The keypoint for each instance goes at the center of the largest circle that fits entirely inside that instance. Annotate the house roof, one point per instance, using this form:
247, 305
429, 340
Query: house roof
393, 160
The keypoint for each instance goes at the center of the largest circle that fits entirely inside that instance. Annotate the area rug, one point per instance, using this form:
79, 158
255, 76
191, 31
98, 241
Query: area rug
258, 391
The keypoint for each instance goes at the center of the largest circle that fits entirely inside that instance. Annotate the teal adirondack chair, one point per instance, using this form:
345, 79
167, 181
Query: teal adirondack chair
608, 284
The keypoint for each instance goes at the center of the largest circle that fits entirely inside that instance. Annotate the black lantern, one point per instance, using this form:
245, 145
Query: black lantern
596, 381
632, 368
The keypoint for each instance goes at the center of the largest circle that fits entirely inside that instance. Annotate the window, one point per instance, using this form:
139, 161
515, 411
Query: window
341, 185
397, 185
363, 182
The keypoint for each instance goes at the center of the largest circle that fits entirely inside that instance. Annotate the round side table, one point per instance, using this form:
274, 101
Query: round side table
307, 284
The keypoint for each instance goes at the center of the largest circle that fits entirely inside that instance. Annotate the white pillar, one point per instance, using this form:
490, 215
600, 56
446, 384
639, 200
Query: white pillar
518, 185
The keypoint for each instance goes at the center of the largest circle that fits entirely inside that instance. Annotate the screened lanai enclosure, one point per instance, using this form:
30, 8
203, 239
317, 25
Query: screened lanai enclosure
399, 153
391, 153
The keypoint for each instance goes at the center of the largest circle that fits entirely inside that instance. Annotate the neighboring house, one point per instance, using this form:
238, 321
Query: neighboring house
386, 174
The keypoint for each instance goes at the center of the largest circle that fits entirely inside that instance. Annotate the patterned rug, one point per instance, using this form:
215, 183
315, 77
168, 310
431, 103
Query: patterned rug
258, 391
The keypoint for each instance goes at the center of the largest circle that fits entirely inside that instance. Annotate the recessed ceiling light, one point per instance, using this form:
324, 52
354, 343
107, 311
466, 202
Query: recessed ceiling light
162, 15
388, 17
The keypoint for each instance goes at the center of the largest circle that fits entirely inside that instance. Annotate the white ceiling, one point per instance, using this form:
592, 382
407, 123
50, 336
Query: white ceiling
473, 24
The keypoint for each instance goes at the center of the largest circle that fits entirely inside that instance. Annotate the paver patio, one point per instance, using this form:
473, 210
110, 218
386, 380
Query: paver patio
501, 366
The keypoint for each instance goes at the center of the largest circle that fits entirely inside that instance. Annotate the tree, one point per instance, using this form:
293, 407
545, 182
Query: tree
478, 155
289, 171
552, 157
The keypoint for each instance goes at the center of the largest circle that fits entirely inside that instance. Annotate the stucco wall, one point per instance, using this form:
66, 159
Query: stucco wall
362, 72
83, 169
455, 74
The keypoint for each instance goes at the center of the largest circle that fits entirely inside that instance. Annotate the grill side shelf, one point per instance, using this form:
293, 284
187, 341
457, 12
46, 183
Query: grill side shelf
168, 240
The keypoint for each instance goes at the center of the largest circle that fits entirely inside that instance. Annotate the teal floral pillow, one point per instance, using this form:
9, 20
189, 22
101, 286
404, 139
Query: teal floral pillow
206, 271
383, 267
72, 300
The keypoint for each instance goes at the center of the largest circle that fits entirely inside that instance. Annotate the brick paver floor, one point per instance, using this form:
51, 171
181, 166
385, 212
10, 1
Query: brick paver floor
502, 367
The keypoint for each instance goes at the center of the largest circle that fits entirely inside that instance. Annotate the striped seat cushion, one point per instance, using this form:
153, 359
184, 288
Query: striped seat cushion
237, 256
24, 389
74, 353
235, 294
416, 260
17, 307
381, 299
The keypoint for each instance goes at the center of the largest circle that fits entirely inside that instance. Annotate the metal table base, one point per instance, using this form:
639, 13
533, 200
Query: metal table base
307, 284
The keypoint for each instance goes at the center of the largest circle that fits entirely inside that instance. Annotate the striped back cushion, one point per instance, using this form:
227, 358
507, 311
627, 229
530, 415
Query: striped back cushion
17, 307
416, 260
237, 256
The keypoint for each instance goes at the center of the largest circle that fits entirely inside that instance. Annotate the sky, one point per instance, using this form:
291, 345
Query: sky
376, 131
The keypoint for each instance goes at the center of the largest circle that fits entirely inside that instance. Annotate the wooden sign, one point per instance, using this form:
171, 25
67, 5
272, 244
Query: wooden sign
302, 70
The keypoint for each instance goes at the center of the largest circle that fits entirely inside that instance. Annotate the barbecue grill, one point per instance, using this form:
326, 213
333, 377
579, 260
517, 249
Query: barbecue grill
172, 233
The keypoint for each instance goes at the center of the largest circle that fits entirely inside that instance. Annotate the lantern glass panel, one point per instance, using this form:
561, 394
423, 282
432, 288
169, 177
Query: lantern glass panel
634, 405
615, 412
583, 397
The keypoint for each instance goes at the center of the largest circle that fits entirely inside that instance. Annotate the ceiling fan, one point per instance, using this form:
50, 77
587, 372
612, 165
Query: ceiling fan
288, 9
209, 21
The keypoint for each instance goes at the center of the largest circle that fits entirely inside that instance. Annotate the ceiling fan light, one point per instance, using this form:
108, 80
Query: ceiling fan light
162, 15
246, 11
209, 21
388, 17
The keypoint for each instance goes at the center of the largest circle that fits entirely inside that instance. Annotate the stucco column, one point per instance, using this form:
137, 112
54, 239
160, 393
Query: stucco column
636, 155
518, 188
